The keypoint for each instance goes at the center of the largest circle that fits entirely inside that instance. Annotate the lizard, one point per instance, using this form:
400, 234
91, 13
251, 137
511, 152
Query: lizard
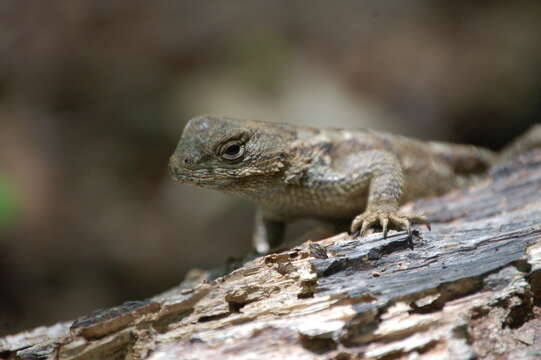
292, 172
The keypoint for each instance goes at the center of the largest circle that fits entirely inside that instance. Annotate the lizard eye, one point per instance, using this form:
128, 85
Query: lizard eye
232, 150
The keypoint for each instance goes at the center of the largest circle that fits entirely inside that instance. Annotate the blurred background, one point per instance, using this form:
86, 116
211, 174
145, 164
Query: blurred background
94, 96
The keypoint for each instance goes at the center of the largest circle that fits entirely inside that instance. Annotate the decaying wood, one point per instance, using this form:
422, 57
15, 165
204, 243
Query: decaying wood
470, 288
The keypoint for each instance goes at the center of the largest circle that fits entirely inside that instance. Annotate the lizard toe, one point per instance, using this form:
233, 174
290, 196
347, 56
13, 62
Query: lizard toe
404, 221
367, 223
387, 220
362, 223
401, 222
384, 222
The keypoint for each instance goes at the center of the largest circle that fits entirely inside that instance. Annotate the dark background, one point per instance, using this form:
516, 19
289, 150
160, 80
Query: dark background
94, 95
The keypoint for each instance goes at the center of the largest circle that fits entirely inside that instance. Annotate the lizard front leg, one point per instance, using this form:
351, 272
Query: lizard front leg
268, 233
385, 188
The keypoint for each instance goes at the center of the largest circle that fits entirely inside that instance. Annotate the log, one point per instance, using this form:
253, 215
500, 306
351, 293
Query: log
470, 288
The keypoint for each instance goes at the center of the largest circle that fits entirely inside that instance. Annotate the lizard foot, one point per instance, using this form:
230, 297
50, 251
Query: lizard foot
386, 220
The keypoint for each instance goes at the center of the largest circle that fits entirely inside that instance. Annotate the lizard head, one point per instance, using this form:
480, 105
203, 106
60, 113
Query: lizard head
219, 152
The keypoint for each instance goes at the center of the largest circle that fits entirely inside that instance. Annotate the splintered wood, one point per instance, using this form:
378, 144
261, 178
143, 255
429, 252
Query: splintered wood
470, 288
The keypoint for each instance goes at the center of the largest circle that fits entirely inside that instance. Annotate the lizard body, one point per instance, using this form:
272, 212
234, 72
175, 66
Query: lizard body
293, 172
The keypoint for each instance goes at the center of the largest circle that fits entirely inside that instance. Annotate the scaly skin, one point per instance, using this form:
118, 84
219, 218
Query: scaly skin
293, 172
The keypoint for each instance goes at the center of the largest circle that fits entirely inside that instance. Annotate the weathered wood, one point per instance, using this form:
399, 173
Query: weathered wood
469, 288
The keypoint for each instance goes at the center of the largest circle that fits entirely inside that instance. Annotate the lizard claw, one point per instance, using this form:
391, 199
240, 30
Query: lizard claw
387, 220
367, 223
384, 222
402, 222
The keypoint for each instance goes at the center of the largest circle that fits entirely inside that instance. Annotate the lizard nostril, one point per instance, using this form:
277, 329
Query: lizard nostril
188, 161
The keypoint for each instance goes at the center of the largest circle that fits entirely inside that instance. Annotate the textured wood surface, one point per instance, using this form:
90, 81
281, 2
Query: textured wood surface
470, 288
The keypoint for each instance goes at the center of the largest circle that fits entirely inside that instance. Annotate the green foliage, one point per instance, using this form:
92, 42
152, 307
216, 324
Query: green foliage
8, 203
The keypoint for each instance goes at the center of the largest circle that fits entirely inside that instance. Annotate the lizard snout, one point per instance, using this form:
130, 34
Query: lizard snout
180, 161
175, 165
178, 164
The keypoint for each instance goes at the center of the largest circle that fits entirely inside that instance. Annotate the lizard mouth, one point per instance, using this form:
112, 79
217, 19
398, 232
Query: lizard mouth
200, 177
183, 175
175, 172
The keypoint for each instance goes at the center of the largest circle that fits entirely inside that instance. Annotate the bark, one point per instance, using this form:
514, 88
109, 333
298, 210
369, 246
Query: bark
470, 288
